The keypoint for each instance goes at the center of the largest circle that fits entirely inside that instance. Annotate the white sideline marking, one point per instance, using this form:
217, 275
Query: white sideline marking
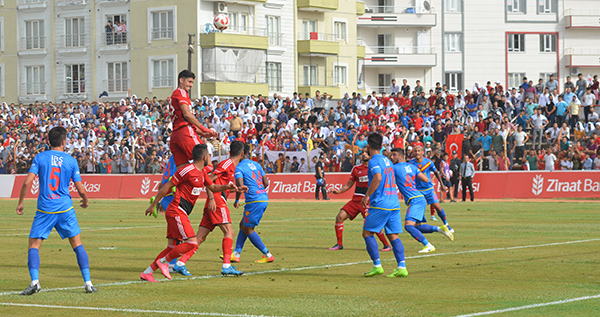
317, 266
125, 310
564, 301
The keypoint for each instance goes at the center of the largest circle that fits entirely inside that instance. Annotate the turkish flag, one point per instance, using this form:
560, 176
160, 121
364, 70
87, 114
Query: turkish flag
454, 143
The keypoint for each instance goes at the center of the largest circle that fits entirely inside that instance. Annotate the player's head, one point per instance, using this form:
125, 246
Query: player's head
200, 153
236, 149
246, 150
418, 152
186, 79
397, 155
364, 155
57, 136
374, 142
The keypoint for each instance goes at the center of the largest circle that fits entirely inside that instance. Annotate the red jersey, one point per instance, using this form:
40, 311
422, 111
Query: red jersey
398, 143
360, 174
189, 181
179, 98
225, 173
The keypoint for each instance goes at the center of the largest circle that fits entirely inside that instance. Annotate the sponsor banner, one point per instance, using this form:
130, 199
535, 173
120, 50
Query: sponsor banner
97, 186
536, 184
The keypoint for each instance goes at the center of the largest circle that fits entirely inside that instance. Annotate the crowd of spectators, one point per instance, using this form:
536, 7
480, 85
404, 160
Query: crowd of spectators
533, 126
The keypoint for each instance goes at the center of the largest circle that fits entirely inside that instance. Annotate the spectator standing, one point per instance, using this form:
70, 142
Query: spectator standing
467, 172
539, 123
320, 176
549, 160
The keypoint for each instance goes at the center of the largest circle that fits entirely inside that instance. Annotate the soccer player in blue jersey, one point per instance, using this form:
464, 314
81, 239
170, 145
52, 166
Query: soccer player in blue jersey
427, 167
384, 209
406, 174
55, 170
252, 175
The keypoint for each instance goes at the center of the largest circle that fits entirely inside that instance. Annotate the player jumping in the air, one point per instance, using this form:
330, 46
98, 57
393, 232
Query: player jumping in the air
189, 181
252, 175
216, 212
56, 170
384, 209
414, 221
352, 208
427, 167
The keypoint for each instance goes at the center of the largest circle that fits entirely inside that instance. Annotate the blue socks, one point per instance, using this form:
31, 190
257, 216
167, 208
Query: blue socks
427, 228
398, 249
84, 264
442, 215
241, 239
173, 262
33, 263
415, 233
373, 250
257, 242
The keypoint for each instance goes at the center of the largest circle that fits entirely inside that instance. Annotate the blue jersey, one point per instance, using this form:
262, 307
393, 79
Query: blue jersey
55, 170
386, 195
252, 174
406, 174
426, 167
169, 171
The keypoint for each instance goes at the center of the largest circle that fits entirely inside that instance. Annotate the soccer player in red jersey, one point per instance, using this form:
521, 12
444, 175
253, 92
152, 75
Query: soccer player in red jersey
358, 176
189, 181
216, 212
186, 126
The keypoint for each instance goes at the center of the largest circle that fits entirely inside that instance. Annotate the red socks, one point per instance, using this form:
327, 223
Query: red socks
227, 249
381, 237
160, 256
181, 249
339, 232
432, 210
184, 258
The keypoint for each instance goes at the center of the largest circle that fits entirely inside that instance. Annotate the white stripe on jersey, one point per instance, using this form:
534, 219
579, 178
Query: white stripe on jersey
186, 170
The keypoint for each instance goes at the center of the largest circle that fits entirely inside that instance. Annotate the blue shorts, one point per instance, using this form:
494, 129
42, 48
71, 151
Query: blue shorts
378, 219
430, 196
166, 201
65, 223
416, 210
253, 213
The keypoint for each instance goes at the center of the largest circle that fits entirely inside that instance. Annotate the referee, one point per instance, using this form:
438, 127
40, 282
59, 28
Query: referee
467, 172
320, 176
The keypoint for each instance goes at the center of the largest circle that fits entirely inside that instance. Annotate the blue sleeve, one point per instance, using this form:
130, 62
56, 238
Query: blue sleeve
238, 173
75, 176
34, 166
432, 167
374, 168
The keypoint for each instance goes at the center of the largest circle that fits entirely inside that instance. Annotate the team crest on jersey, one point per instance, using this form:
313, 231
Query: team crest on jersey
196, 191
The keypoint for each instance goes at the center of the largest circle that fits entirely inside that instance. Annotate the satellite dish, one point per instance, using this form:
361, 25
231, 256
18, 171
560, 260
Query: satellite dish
426, 5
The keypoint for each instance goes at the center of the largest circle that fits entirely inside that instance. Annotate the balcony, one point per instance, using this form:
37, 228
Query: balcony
244, 2
233, 89
71, 89
583, 57
111, 1
320, 79
317, 5
71, 3
114, 41
411, 56
241, 77
378, 16
33, 45
361, 51
32, 4
117, 86
236, 37
32, 92
360, 8
314, 43
73, 43
583, 19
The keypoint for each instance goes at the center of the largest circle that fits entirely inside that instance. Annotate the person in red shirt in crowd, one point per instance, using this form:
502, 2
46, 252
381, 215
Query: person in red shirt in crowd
417, 142
398, 141
418, 121
351, 209
186, 126
371, 115
432, 98
481, 124
450, 99
499, 88
384, 100
393, 116
447, 114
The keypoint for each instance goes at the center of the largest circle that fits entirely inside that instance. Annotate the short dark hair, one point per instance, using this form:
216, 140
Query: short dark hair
374, 141
246, 149
236, 148
399, 150
199, 151
186, 74
56, 136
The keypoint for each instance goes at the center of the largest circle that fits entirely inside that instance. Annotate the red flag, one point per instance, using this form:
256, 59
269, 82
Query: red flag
454, 143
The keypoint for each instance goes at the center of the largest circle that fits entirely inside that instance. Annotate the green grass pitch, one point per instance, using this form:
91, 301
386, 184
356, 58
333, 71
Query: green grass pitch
505, 255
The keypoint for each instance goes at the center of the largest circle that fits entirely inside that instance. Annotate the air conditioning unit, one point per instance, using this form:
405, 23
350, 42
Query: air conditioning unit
220, 7
574, 71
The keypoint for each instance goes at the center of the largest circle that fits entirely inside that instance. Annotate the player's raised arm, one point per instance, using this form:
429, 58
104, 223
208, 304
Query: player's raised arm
164, 190
187, 114
82, 193
344, 188
24, 189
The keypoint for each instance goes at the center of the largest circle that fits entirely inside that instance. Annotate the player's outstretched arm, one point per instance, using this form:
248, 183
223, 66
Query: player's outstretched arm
161, 193
422, 178
189, 117
372, 187
24, 189
344, 188
219, 188
82, 193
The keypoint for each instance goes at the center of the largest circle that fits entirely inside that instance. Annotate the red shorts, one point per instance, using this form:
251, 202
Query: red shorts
179, 227
353, 208
182, 143
211, 219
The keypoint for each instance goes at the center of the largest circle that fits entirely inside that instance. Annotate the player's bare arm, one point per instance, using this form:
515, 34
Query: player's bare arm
24, 189
372, 187
83, 194
265, 182
239, 182
212, 207
344, 188
219, 188
439, 177
422, 177
161, 193
189, 117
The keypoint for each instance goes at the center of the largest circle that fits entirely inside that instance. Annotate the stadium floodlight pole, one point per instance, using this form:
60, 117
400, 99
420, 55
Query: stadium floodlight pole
190, 50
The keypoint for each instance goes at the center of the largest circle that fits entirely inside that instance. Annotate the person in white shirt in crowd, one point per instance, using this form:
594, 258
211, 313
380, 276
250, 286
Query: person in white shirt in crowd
549, 160
552, 133
539, 122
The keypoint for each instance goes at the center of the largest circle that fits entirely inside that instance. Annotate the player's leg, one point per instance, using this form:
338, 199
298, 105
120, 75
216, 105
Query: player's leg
432, 200
239, 243
147, 274
386, 246
33, 264
425, 228
339, 229
374, 222
394, 227
227, 245
432, 210
256, 211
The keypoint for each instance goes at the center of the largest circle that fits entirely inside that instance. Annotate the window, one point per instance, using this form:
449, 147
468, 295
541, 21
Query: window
308, 26
516, 6
117, 77
516, 42
454, 81
515, 79
162, 25
452, 42
310, 75
385, 6
339, 75
1, 80
385, 44
340, 30
35, 80
383, 82
274, 76
273, 30
162, 75
34, 35
546, 6
547, 43
1, 34
546, 76
74, 32
75, 79
452, 6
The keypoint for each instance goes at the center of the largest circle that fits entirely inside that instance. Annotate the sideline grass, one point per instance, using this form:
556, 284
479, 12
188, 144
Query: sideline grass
298, 234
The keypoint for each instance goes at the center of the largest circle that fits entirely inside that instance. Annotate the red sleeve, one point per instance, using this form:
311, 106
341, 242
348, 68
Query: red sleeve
207, 181
178, 178
352, 175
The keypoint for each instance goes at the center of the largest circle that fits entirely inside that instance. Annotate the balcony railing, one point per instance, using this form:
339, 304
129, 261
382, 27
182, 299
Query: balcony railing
255, 73
25, 2
71, 2
275, 39
163, 81
162, 33
582, 51
372, 50
316, 36
33, 43
582, 12
117, 85
74, 86
33, 89
118, 38
73, 40
395, 9
245, 30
